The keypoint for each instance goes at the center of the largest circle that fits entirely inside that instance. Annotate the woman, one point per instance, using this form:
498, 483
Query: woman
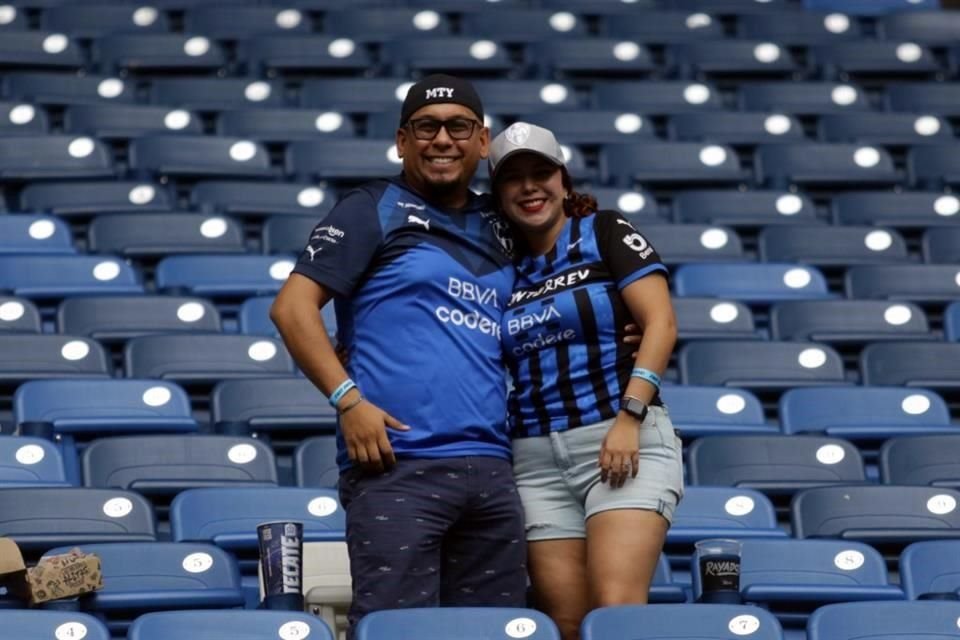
597, 461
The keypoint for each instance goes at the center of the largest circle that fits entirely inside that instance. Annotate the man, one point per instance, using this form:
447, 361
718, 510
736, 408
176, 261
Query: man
420, 269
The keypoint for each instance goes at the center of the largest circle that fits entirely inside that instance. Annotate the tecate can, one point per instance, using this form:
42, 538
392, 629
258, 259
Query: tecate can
281, 554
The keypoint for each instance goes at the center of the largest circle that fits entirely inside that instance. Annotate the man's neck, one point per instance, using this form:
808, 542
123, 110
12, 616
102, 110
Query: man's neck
452, 199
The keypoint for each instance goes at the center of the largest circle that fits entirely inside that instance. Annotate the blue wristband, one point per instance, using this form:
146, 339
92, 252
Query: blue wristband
341, 391
646, 374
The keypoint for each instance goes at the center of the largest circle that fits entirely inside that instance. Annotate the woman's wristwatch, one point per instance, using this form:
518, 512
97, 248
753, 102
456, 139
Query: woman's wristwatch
634, 407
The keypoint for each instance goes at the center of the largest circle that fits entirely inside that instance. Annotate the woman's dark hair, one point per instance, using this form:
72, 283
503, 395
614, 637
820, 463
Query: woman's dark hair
577, 205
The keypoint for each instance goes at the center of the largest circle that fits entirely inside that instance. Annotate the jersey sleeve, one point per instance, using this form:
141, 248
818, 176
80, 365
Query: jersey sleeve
342, 245
624, 250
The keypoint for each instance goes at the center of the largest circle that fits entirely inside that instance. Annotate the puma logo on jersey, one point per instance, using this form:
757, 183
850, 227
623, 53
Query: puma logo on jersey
412, 219
313, 252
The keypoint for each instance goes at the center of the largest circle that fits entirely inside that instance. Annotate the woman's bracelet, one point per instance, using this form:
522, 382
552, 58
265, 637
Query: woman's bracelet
646, 374
351, 405
341, 391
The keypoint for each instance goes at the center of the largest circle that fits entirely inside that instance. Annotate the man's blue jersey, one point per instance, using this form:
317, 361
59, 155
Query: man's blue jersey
564, 326
420, 293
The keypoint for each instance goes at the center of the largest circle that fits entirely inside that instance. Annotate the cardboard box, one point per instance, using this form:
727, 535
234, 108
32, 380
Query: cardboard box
62, 576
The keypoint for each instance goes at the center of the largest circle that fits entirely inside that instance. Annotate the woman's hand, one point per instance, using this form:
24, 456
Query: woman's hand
620, 452
364, 430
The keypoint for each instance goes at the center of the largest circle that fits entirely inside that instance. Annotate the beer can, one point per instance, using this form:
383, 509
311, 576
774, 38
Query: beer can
281, 557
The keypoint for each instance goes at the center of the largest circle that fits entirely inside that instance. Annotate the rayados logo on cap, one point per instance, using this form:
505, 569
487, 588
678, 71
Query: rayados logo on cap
518, 133
439, 92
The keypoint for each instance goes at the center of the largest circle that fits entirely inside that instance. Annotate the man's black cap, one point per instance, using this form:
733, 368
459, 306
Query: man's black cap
440, 89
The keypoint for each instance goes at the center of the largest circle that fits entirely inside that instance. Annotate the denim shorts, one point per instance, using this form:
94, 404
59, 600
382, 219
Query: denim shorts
559, 480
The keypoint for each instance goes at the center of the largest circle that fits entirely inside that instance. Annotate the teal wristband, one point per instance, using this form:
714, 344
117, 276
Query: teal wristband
646, 374
341, 391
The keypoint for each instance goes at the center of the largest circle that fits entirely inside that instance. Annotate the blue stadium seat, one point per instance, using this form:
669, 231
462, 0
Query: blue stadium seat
752, 283
287, 234
229, 516
722, 512
743, 208
207, 94
683, 243
636, 204
199, 156
18, 315
353, 159
876, 513
67, 199
829, 246
40, 518
99, 19
885, 128
773, 464
231, 22
384, 25
138, 235
864, 57
522, 25
205, 358
905, 210
118, 318
456, 54
30, 624
759, 364
53, 156
140, 577
703, 410
663, 27
238, 625
680, 622
19, 118
863, 413
657, 97
28, 356
932, 166
30, 462
271, 53
730, 58
129, 121
525, 96
734, 128
223, 276
278, 404
55, 276
592, 126
793, 577
677, 162
158, 52
315, 463
473, 623
34, 234
734, 7
871, 7
925, 97
848, 321
164, 465
925, 283
779, 165
877, 620
13, 19
706, 318
951, 322
800, 29
593, 56
357, 95
913, 364
926, 27
932, 460
254, 318
93, 408
942, 246
40, 49
67, 88
281, 125
802, 98
928, 570
253, 200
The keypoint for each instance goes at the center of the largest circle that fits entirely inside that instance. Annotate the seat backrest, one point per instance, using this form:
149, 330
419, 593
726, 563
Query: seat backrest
124, 121
734, 127
80, 198
230, 21
199, 155
923, 460
118, 318
904, 210
803, 98
162, 234
914, 364
18, 315
931, 567
467, 623
831, 246
702, 410
924, 97
933, 166
26, 461
68, 88
942, 246
205, 358
206, 94
31, 356
524, 25
751, 282
876, 620
36, 624
273, 404
847, 321
505, 97
681, 621
804, 28
315, 462
713, 318
99, 20
354, 159
56, 276
237, 625
248, 199
288, 234
759, 364
53, 156
32, 234
657, 97
213, 275
743, 208
779, 165
381, 25
723, 512
683, 243
916, 282
682, 162
174, 51
885, 128
951, 322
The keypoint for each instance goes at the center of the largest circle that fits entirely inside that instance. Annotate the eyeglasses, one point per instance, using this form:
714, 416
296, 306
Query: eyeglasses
457, 128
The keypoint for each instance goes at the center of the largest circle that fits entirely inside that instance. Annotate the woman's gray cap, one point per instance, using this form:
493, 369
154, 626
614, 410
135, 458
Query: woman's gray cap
523, 137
